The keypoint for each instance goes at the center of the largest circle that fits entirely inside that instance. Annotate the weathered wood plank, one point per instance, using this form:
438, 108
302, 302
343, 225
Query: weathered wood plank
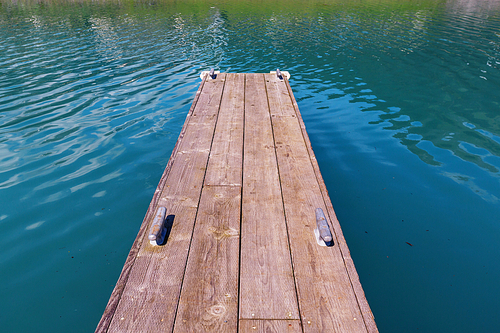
280, 103
226, 155
115, 297
209, 297
185, 181
270, 326
209, 101
353, 275
267, 287
149, 300
326, 299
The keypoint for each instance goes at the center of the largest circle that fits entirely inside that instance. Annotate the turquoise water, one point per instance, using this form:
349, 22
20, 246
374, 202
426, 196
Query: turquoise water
400, 98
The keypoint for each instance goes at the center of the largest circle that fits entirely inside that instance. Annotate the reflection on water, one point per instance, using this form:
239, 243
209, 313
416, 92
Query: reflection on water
400, 99
456, 88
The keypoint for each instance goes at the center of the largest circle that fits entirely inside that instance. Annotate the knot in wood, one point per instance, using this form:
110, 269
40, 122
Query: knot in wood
223, 232
217, 310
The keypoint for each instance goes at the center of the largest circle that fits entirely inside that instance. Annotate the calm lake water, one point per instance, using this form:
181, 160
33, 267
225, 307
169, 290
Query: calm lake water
401, 100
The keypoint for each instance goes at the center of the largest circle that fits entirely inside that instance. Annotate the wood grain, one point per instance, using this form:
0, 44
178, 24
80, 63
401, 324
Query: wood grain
115, 297
267, 287
226, 155
208, 104
149, 300
326, 298
353, 275
209, 297
280, 103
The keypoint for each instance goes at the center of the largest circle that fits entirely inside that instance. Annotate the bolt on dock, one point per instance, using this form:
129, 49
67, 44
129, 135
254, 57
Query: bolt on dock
241, 235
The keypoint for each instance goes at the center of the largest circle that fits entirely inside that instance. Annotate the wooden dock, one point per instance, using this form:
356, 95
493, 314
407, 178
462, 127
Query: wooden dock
240, 190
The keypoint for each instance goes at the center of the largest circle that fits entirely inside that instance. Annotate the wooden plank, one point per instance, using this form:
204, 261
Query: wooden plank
185, 181
209, 297
280, 103
351, 269
267, 289
209, 101
115, 297
326, 297
226, 155
270, 326
149, 300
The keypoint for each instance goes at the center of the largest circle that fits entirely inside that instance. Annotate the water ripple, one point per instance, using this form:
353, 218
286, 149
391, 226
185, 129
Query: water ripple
93, 95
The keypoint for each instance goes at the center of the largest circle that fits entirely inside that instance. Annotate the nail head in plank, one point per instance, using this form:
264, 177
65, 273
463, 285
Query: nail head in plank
270, 326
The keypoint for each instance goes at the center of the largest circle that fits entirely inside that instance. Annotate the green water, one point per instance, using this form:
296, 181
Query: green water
400, 98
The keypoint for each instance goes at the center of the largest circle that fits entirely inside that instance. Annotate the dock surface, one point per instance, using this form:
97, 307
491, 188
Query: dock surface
240, 191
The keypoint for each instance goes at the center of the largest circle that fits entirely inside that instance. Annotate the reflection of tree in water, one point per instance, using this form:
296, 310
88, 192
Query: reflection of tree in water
436, 62
465, 140
445, 88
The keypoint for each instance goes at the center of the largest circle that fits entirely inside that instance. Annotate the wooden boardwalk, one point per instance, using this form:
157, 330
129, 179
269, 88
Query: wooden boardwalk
240, 190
